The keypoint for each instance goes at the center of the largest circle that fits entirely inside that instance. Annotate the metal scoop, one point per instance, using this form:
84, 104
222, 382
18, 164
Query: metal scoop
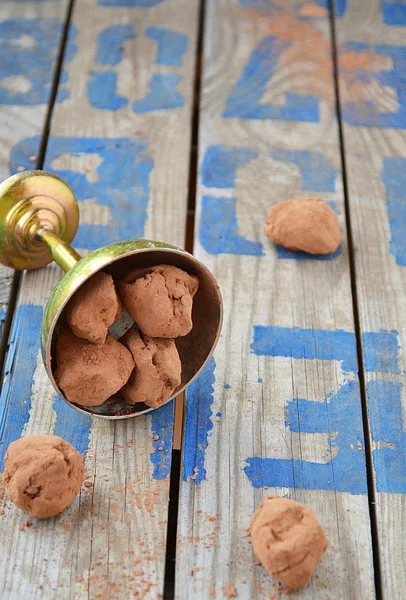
39, 218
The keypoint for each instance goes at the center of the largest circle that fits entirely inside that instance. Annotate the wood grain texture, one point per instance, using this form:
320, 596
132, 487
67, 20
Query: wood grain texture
125, 151
372, 71
278, 410
23, 101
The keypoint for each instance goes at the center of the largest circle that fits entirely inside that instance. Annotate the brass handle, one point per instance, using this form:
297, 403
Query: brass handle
39, 218
64, 256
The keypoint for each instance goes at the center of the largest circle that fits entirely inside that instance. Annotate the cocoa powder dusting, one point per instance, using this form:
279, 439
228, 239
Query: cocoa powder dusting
310, 52
229, 591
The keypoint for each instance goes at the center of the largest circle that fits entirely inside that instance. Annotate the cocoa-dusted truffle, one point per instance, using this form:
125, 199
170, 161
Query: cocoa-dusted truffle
160, 300
42, 474
310, 225
157, 371
288, 540
94, 308
88, 374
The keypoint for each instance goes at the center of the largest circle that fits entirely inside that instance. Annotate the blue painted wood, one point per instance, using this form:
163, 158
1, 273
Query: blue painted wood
129, 183
372, 80
278, 410
29, 41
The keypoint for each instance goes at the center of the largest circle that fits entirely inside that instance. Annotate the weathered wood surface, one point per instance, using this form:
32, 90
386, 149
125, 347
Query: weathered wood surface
278, 410
29, 39
372, 68
121, 137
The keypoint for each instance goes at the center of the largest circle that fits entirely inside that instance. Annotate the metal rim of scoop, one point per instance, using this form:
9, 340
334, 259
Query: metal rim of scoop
105, 257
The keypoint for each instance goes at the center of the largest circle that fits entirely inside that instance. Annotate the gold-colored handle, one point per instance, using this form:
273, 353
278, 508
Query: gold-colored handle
39, 217
64, 256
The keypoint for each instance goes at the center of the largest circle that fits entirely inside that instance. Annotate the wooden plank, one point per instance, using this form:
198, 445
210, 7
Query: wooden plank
278, 410
122, 140
372, 69
29, 39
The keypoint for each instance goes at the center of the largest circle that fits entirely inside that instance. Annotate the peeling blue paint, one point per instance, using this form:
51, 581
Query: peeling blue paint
394, 13
171, 45
221, 163
163, 94
200, 397
388, 434
218, 229
380, 351
162, 426
21, 362
316, 170
34, 63
163, 91
394, 179
282, 252
110, 43
339, 417
306, 343
102, 86
122, 183
72, 425
244, 102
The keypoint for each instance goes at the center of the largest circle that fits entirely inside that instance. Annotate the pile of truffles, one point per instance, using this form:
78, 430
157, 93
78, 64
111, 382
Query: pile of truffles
144, 364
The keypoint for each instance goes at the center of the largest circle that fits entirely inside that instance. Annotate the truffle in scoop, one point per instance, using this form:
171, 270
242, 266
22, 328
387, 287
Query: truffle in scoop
160, 300
94, 308
42, 474
288, 540
308, 224
88, 374
157, 371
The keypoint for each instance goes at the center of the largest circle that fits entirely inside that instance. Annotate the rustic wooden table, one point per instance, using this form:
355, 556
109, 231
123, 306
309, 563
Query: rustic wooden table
158, 110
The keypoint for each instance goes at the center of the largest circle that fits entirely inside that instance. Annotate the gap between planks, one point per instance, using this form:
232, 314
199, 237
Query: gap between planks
357, 323
175, 477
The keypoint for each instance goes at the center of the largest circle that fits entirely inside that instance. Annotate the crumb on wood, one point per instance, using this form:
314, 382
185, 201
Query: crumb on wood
229, 591
88, 484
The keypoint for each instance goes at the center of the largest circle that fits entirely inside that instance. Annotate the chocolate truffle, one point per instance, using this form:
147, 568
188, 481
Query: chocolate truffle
157, 371
88, 374
42, 474
93, 308
160, 300
309, 224
288, 540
